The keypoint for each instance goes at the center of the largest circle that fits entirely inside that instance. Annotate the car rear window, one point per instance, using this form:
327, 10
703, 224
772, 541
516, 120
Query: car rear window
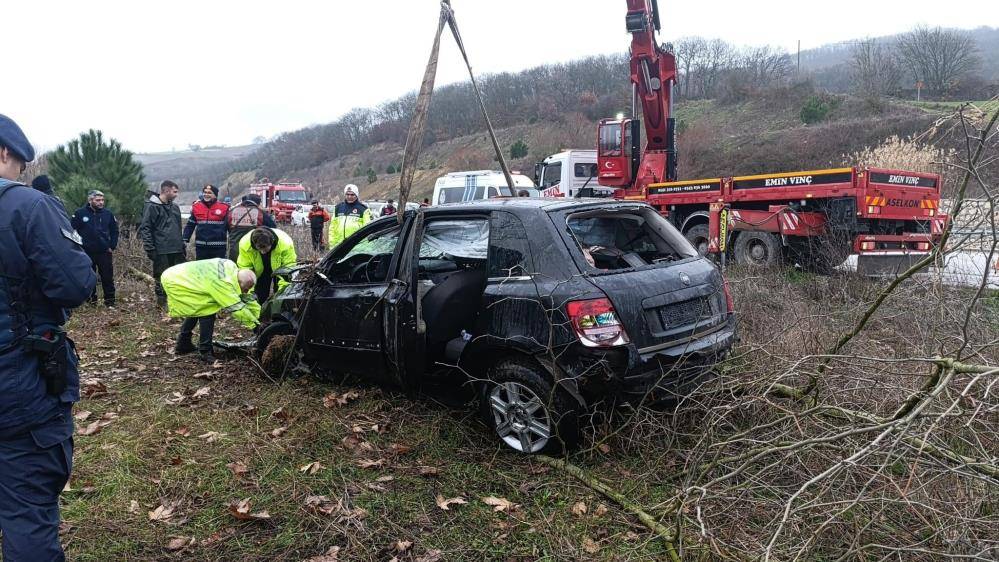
609, 239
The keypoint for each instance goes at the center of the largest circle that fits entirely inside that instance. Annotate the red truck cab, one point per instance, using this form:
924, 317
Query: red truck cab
281, 198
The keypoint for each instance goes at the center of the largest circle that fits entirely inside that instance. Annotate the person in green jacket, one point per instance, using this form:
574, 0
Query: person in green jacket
198, 290
349, 216
266, 250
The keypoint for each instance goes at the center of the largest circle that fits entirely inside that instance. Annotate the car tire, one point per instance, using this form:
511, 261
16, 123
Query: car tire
698, 235
757, 249
527, 411
264, 340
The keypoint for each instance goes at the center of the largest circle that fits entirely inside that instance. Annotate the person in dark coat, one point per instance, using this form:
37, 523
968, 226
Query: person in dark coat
208, 224
98, 228
318, 217
389, 209
243, 218
161, 234
45, 272
42, 183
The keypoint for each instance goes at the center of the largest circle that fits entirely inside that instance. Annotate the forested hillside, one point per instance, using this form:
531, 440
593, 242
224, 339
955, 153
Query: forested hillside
741, 110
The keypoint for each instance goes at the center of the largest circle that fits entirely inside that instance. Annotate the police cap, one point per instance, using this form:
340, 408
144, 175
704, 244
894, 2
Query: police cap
12, 137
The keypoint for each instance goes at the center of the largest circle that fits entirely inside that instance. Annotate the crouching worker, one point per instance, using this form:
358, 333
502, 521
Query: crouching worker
198, 290
266, 250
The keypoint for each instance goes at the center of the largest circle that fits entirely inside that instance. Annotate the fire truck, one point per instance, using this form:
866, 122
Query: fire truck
814, 218
281, 199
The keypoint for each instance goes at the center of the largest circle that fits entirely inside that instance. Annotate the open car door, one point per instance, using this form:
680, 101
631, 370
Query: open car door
403, 327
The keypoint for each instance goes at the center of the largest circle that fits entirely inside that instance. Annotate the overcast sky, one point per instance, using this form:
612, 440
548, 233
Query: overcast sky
160, 74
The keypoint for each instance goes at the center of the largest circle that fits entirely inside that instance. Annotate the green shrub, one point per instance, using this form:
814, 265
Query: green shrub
372, 177
817, 108
518, 150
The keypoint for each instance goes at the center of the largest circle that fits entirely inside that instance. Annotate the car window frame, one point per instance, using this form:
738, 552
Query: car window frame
333, 258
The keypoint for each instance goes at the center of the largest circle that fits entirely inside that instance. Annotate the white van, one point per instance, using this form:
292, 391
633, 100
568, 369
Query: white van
567, 173
458, 187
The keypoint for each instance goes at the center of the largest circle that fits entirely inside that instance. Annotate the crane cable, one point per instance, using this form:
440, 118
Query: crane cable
414, 139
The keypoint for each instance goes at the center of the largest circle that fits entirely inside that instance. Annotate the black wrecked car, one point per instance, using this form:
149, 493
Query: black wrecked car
544, 308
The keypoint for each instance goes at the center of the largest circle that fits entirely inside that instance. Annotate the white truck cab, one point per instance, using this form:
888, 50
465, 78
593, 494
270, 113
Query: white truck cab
458, 187
570, 173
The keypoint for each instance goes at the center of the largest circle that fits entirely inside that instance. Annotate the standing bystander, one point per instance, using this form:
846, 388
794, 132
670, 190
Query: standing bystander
98, 228
161, 235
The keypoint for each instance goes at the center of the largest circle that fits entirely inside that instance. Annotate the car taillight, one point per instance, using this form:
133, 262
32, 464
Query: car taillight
729, 303
596, 323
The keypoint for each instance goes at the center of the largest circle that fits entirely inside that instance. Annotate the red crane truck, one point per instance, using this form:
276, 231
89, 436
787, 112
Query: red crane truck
813, 218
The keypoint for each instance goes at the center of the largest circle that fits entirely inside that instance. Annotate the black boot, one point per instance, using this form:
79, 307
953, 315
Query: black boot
207, 357
184, 346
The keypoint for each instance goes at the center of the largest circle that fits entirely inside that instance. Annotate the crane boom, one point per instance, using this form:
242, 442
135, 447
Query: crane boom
653, 74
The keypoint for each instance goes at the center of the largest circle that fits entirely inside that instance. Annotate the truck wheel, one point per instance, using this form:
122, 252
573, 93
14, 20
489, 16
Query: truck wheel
697, 235
527, 412
757, 249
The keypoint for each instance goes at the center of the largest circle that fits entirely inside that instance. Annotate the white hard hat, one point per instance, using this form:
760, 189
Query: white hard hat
351, 188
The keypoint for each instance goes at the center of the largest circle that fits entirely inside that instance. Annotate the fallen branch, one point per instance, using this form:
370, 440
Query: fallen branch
618, 498
141, 276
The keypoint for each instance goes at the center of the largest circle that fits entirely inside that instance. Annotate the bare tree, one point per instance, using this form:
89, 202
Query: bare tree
690, 53
765, 66
877, 70
718, 57
938, 57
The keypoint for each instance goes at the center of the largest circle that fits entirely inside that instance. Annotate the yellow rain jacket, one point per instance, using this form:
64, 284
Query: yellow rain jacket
347, 220
282, 255
206, 287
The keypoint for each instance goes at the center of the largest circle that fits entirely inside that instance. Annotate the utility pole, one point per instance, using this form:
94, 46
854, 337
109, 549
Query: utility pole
799, 58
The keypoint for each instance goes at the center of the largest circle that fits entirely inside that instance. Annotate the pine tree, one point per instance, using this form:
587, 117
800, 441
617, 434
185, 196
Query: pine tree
92, 161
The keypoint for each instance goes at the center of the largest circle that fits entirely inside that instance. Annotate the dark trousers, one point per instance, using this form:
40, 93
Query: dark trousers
34, 468
161, 263
206, 329
104, 266
262, 289
209, 252
317, 238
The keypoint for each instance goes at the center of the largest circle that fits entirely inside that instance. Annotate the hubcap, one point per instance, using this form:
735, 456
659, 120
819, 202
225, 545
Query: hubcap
521, 419
758, 253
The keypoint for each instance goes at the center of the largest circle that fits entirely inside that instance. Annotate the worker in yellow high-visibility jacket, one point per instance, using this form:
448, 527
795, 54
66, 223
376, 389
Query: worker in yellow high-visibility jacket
266, 250
198, 290
349, 216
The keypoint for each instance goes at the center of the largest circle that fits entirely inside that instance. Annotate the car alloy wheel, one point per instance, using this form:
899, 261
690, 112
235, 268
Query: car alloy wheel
521, 418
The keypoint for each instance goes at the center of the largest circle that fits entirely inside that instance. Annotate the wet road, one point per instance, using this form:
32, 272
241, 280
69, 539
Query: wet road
961, 268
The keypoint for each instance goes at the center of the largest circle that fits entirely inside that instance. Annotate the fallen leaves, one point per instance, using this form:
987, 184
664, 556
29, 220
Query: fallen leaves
162, 513
95, 427
334, 400
331, 555
93, 388
280, 414
180, 543
401, 546
212, 436
177, 398
579, 509
82, 416
241, 510
204, 375
311, 468
590, 546
238, 469
325, 506
278, 432
446, 504
500, 504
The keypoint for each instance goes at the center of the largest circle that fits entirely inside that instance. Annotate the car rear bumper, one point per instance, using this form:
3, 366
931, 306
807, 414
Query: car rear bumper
627, 375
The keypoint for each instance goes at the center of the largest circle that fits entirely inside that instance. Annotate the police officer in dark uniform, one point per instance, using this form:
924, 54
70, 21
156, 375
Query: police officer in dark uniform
43, 272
